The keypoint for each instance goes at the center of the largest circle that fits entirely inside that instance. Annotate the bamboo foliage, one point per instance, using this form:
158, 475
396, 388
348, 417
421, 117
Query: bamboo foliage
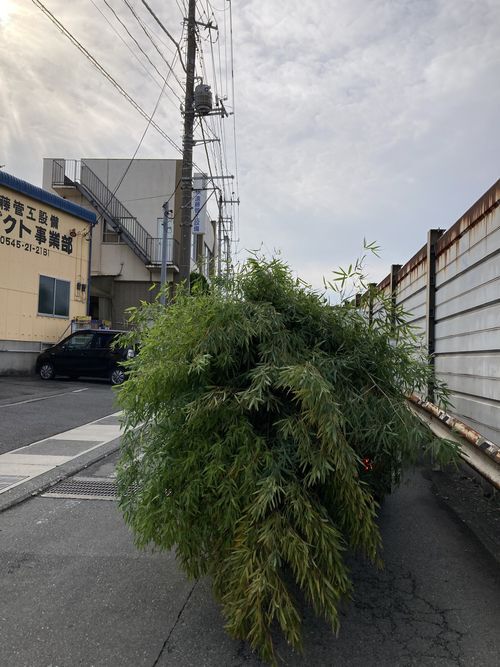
250, 414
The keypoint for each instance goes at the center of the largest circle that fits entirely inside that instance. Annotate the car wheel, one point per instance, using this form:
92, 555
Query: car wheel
117, 376
46, 371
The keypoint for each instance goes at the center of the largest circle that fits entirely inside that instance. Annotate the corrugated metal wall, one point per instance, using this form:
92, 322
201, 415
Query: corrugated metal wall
467, 323
451, 290
411, 293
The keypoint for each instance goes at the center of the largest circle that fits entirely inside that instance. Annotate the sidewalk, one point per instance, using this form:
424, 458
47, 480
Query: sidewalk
28, 470
75, 591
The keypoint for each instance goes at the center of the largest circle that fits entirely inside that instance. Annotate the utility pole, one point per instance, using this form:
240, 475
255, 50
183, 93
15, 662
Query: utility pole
219, 238
163, 275
222, 234
187, 149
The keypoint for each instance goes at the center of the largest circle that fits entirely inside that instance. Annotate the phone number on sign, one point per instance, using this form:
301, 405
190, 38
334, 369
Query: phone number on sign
28, 247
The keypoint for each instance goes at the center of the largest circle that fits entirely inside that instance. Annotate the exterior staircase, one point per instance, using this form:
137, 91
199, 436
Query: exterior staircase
76, 173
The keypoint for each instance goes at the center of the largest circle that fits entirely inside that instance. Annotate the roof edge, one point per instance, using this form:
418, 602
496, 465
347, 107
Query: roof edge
482, 207
23, 187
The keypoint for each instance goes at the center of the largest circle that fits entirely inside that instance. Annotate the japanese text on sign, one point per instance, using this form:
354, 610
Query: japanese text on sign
32, 229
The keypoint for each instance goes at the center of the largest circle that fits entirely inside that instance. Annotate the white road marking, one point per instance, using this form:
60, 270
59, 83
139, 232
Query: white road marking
34, 459
20, 462
24, 469
90, 432
42, 398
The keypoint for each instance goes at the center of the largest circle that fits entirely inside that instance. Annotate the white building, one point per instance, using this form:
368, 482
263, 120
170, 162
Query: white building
127, 241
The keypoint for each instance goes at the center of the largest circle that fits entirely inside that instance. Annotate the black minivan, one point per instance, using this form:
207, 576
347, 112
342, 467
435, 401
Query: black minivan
87, 353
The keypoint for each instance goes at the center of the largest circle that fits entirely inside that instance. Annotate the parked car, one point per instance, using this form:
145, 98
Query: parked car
87, 352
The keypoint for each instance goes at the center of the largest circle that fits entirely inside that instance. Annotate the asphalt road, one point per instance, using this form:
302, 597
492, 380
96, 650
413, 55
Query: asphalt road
31, 409
75, 591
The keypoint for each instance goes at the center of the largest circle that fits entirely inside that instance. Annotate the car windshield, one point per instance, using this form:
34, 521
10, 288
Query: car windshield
79, 341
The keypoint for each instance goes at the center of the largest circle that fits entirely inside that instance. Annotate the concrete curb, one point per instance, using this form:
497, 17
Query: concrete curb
36, 485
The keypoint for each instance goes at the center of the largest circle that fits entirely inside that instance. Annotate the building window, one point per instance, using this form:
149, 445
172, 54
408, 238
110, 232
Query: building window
110, 235
53, 297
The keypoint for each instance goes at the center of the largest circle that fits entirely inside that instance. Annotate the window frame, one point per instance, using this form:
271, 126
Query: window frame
54, 294
110, 236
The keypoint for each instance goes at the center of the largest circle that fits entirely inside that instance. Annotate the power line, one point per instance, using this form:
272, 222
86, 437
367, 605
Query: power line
214, 124
140, 22
203, 206
127, 45
213, 149
216, 9
204, 72
104, 72
234, 114
206, 153
146, 129
144, 198
165, 31
150, 120
120, 20
183, 9
224, 144
225, 47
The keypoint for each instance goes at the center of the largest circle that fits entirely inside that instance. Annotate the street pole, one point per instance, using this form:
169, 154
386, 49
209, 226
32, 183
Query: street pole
219, 238
187, 150
163, 275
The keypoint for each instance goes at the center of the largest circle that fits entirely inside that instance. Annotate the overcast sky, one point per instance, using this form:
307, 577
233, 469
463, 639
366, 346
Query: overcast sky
354, 118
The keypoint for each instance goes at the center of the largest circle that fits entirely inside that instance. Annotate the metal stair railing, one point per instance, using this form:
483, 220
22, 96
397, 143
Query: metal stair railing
117, 215
155, 250
78, 174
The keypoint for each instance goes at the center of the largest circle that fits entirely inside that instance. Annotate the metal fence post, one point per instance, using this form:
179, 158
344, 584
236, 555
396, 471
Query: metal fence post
430, 310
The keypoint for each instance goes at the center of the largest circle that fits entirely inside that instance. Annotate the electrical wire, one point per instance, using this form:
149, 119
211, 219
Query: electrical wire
127, 45
103, 71
166, 32
214, 124
128, 97
222, 129
183, 9
216, 9
140, 22
225, 48
148, 197
202, 206
146, 129
234, 114
120, 20
148, 125
206, 153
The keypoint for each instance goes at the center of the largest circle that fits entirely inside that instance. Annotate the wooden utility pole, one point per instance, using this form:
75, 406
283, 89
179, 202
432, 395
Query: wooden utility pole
164, 255
219, 237
187, 150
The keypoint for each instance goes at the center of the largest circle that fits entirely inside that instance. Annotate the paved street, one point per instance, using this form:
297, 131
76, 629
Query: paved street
31, 409
76, 592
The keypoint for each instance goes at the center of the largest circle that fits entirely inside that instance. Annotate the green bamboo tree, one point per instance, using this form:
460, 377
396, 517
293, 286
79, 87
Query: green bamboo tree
261, 426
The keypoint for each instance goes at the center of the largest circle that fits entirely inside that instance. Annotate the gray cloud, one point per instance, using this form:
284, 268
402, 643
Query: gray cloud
355, 118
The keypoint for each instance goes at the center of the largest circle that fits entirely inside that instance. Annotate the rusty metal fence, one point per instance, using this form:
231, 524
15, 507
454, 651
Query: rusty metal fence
451, 290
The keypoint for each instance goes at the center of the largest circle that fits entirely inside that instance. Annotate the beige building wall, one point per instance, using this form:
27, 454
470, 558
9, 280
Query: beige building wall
30, 251
120, 278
